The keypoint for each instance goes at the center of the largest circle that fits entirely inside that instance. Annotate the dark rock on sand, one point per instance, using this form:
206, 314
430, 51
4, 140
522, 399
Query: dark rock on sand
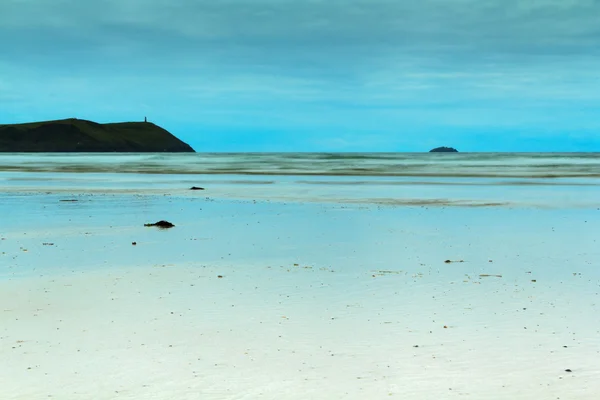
443, 150
161, 224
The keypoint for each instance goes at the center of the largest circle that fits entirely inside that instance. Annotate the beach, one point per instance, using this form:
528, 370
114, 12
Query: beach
346, 287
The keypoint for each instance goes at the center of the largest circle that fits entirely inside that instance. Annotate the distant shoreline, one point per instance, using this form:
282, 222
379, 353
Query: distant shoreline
82, 136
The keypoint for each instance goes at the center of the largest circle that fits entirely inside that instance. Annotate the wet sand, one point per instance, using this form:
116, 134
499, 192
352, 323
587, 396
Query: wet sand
435, 191
275, 300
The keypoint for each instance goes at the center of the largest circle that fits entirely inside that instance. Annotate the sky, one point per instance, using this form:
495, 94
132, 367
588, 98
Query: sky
313, 75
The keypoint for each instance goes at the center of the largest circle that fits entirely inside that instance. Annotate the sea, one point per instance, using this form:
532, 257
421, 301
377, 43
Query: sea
393, 179
320, 275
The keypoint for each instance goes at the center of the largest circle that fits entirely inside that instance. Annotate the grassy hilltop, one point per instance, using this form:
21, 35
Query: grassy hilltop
78, 135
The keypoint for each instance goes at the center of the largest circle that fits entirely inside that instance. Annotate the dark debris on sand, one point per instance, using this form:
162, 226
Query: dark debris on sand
161, 224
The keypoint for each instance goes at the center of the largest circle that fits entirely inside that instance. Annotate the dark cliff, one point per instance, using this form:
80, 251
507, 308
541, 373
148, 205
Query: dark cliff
77, 135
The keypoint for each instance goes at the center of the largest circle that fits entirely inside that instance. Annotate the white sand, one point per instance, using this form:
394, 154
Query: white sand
92, 316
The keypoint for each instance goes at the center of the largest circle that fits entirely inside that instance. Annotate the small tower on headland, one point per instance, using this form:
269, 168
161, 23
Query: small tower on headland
145, 119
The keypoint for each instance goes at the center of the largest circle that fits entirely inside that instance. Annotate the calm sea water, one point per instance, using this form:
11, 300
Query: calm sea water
427, 179
526, 165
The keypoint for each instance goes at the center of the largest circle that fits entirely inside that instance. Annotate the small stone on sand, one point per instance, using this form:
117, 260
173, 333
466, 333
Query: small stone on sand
161, 224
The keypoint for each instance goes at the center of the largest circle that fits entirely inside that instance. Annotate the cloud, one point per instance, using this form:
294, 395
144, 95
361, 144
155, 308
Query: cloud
498, 26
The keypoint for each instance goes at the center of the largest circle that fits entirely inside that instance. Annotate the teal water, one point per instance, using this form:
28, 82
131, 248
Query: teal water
562, 180
315, 257
526, 165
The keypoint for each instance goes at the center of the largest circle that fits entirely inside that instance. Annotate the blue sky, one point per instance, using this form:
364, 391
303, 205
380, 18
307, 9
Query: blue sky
313, 75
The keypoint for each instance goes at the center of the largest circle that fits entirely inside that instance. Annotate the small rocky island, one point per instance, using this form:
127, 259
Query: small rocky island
443, 150
78, 135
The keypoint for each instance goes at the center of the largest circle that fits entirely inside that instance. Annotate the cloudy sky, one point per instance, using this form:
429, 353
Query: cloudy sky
313, 75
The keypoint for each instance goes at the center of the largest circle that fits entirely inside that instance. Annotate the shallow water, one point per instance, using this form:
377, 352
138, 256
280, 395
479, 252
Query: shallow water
525, 165
335, 300
477, 179
329, 286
